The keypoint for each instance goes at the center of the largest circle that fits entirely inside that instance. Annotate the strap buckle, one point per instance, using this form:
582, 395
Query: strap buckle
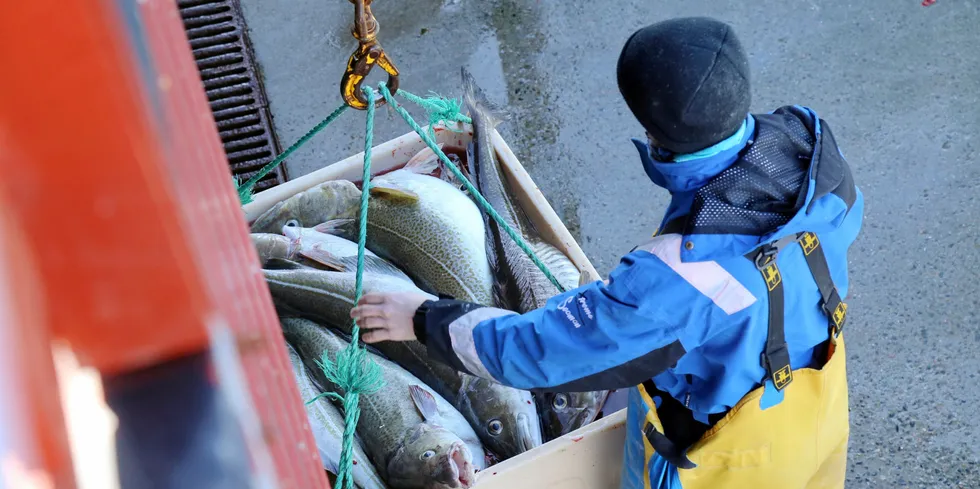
777, 366
765, 262
836, 310
765, 255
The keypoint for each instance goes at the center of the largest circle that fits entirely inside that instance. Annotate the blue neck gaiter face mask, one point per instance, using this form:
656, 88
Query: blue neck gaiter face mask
660, 154
651, 156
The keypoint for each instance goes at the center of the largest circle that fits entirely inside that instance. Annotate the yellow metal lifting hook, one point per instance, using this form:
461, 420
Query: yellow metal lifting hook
368, 53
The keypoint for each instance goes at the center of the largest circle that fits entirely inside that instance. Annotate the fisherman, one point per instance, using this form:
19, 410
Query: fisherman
726, 325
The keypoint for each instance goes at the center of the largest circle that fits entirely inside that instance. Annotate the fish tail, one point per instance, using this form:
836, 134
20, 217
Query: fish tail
424, 166
476, 99
336, 227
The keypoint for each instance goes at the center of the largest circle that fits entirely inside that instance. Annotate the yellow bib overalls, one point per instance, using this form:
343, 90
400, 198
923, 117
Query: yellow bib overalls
799, 443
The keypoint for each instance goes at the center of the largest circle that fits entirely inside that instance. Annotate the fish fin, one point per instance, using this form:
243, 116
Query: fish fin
560, 265
424, 401
324, 258
471, 165
473, 176
390, 190
508, 288
476, 99
500, 290
424, 154
424, 167
376, 264
425, 161
333, 226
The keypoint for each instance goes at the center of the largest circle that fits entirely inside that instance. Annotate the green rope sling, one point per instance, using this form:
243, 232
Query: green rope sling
353, 371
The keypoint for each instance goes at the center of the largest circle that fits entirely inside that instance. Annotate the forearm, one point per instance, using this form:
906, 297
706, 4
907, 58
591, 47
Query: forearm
582, 340
435, 323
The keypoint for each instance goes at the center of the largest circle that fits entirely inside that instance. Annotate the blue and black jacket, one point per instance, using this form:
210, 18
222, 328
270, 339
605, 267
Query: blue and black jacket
689, 309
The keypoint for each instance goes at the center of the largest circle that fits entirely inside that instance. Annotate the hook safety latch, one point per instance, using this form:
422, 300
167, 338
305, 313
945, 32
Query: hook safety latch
368, 54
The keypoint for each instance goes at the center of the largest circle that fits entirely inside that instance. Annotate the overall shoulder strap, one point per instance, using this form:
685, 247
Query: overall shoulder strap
775, 358
831, 303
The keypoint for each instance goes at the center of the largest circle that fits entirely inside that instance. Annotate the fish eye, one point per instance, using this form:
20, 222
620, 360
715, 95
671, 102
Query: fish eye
560, 402
293, 223
427, 454
495, 427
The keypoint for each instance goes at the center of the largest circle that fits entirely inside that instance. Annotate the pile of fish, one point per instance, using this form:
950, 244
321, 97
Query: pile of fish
431, 426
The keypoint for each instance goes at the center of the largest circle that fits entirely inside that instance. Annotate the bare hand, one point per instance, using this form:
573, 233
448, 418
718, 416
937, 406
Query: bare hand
387, 316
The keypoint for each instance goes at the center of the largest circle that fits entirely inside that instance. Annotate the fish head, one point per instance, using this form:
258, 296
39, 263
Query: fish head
299, 237
432, 457
333, 199
505, 418
272, 220
565, 412
292, 229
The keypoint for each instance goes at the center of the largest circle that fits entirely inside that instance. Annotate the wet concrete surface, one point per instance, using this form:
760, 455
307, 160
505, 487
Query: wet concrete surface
899, 84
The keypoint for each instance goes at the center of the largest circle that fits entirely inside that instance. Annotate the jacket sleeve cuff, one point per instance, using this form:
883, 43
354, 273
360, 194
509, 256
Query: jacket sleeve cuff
418, 322
447, 328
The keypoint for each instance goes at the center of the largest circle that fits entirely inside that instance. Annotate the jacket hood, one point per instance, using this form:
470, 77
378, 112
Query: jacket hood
782, 173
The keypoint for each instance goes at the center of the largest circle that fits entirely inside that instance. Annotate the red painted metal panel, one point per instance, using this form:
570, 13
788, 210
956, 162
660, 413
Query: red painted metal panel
223, 249
86, 179
114, 174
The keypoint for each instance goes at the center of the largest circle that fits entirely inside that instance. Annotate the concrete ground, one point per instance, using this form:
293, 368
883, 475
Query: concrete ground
900, 85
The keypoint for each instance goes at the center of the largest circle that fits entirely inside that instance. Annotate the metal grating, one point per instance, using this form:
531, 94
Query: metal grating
225, 60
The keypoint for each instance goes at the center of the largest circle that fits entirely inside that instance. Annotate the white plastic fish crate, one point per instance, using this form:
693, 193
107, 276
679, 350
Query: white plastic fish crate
589, 458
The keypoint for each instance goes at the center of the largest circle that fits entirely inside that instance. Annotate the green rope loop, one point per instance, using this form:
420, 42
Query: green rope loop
438, 108
245, 190
430, 142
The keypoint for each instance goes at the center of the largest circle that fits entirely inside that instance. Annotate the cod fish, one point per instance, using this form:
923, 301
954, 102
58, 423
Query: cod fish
520, 285
505, 418
278, 251
561, 411
335, 252
326, 296
328, 429
431, 230
336, 199
413, 436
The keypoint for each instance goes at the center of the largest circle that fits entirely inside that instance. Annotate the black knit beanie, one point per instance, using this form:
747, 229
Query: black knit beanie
687, 81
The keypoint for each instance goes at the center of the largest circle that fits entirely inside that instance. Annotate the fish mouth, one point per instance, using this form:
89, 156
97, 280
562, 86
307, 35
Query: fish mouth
561, 424
461, 472
291, 232
599, 407
528, 438
573, 418
580, 419
295, 240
